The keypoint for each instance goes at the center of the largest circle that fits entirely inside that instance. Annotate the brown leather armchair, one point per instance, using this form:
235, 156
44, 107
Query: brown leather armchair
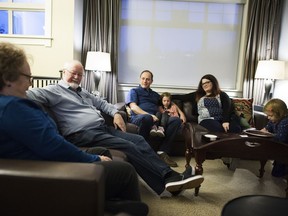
53, 188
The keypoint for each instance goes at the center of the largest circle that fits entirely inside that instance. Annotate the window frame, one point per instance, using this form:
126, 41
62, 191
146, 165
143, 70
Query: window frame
45, 40
235, 92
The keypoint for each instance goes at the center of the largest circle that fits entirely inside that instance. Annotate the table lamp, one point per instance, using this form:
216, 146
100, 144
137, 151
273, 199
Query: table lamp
98, 62
270, 70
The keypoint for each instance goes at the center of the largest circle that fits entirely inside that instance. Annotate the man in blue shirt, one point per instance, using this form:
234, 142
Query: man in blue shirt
144, 104
79, 119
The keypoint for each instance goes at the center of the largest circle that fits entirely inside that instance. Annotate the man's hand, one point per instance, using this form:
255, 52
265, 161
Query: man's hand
155, 118
119, 122
105, 158
137, 110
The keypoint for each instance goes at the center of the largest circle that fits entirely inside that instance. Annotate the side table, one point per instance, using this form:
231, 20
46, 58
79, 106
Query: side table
237, 146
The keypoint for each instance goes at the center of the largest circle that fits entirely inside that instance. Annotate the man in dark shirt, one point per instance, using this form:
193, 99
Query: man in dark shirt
144, 103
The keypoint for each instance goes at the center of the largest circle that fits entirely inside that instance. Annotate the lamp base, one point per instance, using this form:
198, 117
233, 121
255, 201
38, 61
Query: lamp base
267, 95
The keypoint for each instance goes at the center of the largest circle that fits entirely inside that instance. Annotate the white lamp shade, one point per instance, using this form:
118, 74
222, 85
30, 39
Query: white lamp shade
98, 61
271, 69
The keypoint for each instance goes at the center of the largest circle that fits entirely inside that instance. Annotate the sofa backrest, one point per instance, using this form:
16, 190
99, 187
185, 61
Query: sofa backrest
186, 107
243, 108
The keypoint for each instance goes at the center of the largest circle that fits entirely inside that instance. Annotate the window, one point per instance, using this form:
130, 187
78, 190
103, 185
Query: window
176, 38
26, 21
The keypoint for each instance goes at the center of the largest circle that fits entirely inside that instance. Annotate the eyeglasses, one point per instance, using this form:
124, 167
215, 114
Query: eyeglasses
28, 76
206, 83
75, 73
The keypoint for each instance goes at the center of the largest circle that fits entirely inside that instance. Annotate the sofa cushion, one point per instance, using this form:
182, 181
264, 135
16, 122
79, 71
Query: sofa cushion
244, 109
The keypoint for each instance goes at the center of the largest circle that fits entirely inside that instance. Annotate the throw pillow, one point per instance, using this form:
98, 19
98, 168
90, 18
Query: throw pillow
244, 109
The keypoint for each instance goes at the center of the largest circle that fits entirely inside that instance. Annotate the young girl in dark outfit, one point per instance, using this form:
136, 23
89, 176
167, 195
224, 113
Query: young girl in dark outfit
276, 111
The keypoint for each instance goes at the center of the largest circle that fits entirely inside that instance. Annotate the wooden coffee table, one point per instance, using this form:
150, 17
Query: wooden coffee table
237, 146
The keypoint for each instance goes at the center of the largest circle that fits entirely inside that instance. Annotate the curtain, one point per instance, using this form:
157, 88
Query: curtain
264, 23
101, 27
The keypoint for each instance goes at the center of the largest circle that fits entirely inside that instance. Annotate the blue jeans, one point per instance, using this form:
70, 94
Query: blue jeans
145, 123
139, 153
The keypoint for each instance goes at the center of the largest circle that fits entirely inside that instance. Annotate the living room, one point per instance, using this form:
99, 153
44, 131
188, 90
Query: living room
65, 43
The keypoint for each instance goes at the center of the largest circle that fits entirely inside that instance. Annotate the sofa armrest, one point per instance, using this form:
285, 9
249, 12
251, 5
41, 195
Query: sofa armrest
120, 106
260, 120
195, 132
132, 128
51, 188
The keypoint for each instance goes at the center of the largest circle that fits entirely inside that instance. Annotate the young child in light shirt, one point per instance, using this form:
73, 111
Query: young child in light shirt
167, 109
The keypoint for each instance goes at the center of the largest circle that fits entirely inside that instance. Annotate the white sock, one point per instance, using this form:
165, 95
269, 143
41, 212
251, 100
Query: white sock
159, 152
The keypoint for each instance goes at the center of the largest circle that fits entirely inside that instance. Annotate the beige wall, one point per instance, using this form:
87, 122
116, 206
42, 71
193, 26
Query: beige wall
48, 60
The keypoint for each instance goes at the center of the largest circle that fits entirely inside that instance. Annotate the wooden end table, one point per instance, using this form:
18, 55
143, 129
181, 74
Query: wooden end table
238, 146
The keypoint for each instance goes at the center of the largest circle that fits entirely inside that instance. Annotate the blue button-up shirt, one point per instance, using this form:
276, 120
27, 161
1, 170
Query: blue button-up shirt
146, 99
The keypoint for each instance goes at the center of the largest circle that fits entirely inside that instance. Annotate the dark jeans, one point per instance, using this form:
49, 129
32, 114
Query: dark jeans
163, 119
139, 153
99, 151
279, 169
145, 123
216, 126
121, 180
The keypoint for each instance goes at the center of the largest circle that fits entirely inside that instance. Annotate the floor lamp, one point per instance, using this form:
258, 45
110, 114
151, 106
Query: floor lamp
270, 70
98, 62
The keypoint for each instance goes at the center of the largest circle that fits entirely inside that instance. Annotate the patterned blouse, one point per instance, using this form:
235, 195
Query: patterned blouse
210, 108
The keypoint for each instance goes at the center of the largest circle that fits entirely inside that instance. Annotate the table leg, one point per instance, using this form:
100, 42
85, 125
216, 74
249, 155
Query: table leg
262, 170
199, 159
188, 156
188, 144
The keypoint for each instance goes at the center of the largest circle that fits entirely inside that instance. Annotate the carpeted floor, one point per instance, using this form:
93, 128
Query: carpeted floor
220, 185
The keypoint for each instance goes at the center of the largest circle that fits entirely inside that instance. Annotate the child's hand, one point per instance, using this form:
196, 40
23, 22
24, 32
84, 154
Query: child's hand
183, 119
264, 130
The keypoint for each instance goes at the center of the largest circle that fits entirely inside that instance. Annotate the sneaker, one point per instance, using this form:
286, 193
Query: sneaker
182, 182
160, 132
168, 160
153, 131
189, 171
